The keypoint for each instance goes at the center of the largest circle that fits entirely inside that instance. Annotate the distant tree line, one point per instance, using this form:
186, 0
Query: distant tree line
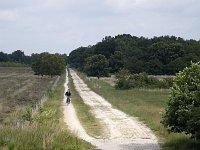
156, 56
16, 56
48, 64
42, 64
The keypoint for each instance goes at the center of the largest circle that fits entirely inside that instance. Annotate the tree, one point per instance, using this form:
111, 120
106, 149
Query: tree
18, 56
183, 111
116, 61
3, 57
96, 65
48, 64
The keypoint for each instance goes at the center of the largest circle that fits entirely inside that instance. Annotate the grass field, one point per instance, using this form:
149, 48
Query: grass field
20, 87
147, 105
46, 130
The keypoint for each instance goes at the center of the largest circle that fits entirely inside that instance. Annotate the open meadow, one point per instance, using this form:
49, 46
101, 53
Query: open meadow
146, 104
46, 129
20, 87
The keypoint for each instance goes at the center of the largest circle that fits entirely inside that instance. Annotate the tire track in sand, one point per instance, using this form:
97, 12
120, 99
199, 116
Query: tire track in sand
124, 132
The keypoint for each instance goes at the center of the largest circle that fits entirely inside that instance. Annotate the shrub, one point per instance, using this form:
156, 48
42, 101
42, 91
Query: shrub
125, 80
183, 110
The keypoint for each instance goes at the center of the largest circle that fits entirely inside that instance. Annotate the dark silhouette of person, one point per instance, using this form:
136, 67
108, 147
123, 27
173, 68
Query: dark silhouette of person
68, 94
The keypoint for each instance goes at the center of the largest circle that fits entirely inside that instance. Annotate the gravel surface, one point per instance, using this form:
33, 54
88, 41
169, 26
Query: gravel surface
123, 132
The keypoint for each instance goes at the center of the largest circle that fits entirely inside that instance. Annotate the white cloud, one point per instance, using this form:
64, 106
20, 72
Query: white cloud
120, 5
68, 24
9, 15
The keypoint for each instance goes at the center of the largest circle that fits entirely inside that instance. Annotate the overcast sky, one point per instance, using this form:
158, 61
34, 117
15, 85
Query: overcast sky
34, 26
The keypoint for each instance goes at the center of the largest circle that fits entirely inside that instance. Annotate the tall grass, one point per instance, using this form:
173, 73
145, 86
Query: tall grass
12, 64
87, 118
47, 131
19, 88
147, 105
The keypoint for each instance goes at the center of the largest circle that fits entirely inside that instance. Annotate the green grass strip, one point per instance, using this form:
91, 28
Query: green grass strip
147, 105
87, 118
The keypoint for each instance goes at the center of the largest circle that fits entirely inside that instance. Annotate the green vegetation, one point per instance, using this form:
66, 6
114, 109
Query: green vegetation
183, 111
96, 65
156, 56
12, 64
48, 64
125, 80
18, 57
19, 87
47, 130
89, 122
147, 105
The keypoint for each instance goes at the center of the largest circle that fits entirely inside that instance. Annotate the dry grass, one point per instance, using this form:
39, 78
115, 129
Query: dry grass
20, 87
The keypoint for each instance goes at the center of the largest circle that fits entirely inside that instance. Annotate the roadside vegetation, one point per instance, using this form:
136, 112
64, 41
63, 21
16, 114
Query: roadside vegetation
46, 130
126, 80
20, 87
87, 118
146, 104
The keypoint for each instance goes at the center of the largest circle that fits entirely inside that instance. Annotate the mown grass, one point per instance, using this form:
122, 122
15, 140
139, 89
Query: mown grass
47, 131
147, 105
87, 118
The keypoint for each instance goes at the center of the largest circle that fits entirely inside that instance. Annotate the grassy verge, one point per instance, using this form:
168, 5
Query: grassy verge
19, 88
147, 105
46, 130
89, 122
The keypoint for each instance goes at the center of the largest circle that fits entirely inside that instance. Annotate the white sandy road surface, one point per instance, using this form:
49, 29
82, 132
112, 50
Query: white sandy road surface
122, 131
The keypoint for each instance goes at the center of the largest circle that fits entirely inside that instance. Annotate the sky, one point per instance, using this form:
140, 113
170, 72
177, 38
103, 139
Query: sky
60, 26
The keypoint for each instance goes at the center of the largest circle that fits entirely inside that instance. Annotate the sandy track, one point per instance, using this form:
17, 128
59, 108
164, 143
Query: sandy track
123, 131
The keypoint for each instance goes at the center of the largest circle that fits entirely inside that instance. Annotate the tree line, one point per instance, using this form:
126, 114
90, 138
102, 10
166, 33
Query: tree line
156, 56
42, 64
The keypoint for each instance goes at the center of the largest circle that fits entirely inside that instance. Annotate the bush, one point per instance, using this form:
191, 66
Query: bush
125, 80
183, 111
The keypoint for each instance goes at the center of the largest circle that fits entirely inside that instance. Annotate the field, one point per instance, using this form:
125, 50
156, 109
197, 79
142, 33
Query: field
147, 105
20, 87
46, 129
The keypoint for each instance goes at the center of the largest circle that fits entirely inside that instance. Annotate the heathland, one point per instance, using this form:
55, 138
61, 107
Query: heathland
45, 129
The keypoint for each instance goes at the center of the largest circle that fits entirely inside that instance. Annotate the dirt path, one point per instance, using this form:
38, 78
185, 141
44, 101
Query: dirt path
123, 131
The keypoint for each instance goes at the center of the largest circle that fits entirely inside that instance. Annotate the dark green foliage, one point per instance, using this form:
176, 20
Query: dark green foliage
125, 80
48, 64
116, 61
77, 58
17, 57
97, 66
157, 56
106, 47
183, 111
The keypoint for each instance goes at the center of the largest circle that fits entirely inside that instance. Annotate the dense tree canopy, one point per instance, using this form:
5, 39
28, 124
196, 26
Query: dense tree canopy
183, 111
17, 56
158, 55
48, 64
96, 65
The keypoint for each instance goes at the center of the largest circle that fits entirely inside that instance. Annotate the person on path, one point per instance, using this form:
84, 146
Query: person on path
68, 94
